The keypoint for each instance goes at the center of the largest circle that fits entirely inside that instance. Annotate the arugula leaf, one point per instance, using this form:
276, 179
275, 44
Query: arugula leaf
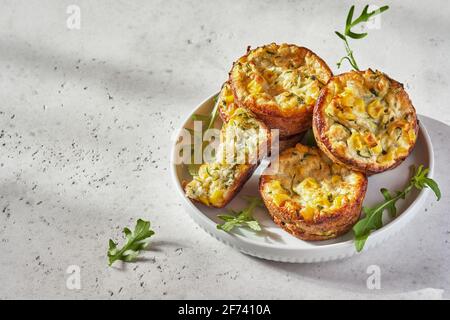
208, 120
208, 123
349, 24
433, 186
310, 140
200, 117
214, 112
391, 208
373, 217
136, 241
242, 218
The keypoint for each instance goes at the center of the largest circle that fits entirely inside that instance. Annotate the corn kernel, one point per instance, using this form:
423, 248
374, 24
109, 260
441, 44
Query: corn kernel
229, 99
216, 197
355, 141
375, 109
339, 201
370, 140
308, 213
290, 103
386, 158
309, 183
204, 200
275, 185
349, 115
254, 87
309, 100
412, 135
335, 179
401, 151
377, 149
347, 98
323, 202
280, 198
360, 105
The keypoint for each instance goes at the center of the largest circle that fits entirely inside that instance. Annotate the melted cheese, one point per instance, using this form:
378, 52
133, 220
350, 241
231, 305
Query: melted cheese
310, 184
366, 119
285, 78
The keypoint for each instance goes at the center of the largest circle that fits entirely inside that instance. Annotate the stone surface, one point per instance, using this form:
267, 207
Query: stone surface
86, 119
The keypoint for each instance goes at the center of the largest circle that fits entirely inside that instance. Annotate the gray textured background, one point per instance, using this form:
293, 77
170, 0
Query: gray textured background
86, 118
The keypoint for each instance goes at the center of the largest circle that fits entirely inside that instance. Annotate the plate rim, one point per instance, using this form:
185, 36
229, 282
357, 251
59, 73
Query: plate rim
242, 243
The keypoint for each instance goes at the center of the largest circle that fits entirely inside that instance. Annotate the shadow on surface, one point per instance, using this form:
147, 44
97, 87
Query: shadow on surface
123, 78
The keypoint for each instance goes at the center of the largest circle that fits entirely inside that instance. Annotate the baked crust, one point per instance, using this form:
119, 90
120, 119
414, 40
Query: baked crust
380, 121
326, 223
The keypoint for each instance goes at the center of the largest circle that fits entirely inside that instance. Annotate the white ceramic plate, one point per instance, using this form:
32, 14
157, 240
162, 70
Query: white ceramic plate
274, 243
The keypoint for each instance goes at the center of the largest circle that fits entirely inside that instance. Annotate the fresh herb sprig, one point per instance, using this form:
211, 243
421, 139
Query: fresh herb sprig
208, 123
243, 218
136, 241
349, 24
373, 219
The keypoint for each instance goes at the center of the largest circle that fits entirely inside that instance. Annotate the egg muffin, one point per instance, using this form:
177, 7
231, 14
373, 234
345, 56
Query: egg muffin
243, 143
365, 121
280, 85
311, 197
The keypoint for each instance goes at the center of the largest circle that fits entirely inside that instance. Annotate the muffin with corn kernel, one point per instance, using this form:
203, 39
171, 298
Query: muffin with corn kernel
244, 141
311, 197
280, 85
365, 121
